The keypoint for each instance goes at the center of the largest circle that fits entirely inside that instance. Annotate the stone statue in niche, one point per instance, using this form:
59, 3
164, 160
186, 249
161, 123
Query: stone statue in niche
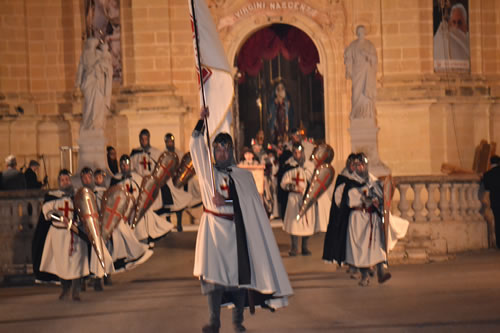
360, 58
94, 79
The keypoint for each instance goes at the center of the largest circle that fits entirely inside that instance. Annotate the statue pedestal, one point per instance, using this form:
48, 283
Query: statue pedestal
92, 150
364, 139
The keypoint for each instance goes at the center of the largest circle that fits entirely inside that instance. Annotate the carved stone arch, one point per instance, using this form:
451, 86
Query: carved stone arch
330, 46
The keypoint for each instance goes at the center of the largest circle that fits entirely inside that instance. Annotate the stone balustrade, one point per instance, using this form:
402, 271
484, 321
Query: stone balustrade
445, 212
19, 212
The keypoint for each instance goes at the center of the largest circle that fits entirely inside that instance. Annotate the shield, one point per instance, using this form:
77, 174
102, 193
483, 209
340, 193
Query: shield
388, 192
323, 178
150, 186
322, 154
114, 205
185, 171
86, 207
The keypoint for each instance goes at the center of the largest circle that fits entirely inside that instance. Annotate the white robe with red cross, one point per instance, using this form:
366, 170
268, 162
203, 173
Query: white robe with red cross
64, 253
307, 225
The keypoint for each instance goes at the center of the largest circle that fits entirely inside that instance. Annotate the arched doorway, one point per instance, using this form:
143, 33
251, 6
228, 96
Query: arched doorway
279, 86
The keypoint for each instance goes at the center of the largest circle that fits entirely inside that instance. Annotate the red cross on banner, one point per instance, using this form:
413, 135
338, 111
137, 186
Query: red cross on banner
113, 212
66, 209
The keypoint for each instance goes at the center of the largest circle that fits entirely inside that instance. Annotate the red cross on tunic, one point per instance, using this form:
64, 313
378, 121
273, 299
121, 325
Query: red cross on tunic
297, 179
144, 163
113, 212
224, 187
66, 208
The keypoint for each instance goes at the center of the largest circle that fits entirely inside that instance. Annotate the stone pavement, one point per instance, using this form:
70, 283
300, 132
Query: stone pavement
460, 295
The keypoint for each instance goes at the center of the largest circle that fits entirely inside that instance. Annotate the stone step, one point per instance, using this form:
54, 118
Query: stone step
417, 255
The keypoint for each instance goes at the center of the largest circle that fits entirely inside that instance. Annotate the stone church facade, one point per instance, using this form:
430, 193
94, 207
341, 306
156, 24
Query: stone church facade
424, 118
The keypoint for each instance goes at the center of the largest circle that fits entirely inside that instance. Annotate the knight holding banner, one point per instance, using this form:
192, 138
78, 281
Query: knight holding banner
235, 248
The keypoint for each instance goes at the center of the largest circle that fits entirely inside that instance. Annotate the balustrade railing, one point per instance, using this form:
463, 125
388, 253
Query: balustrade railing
19, 212
438, 198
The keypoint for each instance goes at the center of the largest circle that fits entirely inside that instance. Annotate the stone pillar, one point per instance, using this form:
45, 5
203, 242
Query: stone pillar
364, 139
92, 149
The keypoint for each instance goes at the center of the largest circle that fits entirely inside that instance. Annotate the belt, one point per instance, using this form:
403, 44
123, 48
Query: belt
364, 209
229, 217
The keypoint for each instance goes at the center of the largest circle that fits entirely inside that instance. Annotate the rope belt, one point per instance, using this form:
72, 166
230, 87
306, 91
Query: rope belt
229, 217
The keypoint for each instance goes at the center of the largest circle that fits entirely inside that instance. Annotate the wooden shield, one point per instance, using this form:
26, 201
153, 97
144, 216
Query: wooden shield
388, 192
322, 179
150, 186
114, 205
322, 154
86, 206
185, 171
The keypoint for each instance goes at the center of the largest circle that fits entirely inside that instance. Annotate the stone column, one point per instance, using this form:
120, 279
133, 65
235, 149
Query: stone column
364, 139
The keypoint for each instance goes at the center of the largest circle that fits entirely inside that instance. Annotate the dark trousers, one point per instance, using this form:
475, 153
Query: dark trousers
214, 303
67, 284
295, 243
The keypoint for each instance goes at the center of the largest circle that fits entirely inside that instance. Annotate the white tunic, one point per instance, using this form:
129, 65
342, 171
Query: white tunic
144, 163
306, 225
151, 225
365, 245
216, 258
64, 253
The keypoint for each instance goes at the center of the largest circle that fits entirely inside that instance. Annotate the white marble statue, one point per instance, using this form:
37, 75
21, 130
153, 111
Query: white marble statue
94, 79
360, 58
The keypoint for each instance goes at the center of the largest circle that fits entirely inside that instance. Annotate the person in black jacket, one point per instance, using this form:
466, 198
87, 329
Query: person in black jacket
491, 182
31, 176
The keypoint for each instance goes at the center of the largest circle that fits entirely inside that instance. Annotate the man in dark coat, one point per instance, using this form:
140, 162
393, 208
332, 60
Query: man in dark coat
491, 182
31, 176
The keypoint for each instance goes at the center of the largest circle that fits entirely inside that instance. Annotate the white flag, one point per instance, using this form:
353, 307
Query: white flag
215, 71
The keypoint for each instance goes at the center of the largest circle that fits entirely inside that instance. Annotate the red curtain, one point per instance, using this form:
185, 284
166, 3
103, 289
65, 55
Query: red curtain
266, 44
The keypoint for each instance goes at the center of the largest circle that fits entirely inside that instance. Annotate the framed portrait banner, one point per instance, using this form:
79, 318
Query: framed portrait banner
102, 21
451, 36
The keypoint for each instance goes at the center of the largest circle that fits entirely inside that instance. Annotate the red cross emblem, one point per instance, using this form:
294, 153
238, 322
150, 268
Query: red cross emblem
66, 209
320, 160
224, 187
322, 186
150, 196
144, 163
113, 212
166, 169
297, 179
91, 213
